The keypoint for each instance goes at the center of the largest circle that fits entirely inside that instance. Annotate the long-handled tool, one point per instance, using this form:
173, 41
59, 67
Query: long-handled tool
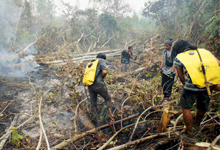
204, 73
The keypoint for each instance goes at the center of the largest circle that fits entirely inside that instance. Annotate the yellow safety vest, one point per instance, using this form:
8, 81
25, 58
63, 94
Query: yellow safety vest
90, 73
192, 63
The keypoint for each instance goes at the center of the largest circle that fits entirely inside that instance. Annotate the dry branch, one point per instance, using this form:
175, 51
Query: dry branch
76, 114
108, 40
77, 137
214, 142
106, 144
8, 133
5, 108
40, 139
144, 113
42, 126
122, 106
125, 146
5, 135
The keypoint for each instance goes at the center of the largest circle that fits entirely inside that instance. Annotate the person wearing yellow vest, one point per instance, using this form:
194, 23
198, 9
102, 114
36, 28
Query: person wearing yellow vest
99, 87
187, 61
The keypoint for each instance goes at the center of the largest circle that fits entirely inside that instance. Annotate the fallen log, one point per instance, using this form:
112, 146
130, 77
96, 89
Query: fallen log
77, 137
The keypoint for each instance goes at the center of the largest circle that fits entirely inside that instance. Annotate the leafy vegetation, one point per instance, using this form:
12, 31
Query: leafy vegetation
16, 137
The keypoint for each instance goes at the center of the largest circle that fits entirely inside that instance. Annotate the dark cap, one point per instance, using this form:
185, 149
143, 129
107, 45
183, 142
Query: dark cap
130, 47
168, 41
101, 55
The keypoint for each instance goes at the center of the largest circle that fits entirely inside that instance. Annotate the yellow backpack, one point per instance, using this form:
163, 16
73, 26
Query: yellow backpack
192, 63
90, 72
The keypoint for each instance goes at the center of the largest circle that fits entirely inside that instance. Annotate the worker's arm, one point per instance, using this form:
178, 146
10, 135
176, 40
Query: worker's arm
216, 87
104, 73
120, 59
181, 75
173, 68
130, 55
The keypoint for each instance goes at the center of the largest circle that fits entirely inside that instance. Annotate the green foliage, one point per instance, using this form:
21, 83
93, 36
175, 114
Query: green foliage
213, 25
181, 18
149, 75
213, 32
109, 76
109, 22
16, 137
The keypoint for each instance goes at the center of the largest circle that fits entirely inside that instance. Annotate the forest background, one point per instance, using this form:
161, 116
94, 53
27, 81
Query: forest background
106, 25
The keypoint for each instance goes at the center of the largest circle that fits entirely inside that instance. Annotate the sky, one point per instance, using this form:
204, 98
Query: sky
137, 5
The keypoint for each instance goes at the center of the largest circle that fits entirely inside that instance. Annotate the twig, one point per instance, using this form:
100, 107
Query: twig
39, 142
152, 113
8, 133
145, 112
127, 99
216, 94
213, 118
210, 119
95, 130
41, 125
29, 46
214, 142
16, 128
139, 119
5, 108
76, 114
125, 146
108, 40
174, 126
122, 106
106, 144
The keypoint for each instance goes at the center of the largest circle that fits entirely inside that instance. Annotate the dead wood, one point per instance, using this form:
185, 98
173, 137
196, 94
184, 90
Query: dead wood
5, 109
122, 106
152, 107
8, 133
40, 139
41, 124
212, 118
5, 135
106, 144
108, 40
130, 143
164, 119
95, 130
214, 142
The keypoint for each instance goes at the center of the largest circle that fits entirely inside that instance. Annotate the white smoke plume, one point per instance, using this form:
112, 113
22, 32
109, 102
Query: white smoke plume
11, 64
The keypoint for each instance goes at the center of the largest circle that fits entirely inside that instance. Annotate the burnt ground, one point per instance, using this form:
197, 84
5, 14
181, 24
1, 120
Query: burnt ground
18, 94
9, 103
60, 101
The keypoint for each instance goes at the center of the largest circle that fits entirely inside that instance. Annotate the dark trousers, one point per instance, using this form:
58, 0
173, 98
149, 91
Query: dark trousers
167, 83
125, 67
102, 91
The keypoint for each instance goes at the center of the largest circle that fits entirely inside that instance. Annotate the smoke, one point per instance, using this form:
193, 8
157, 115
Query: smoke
11, 63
